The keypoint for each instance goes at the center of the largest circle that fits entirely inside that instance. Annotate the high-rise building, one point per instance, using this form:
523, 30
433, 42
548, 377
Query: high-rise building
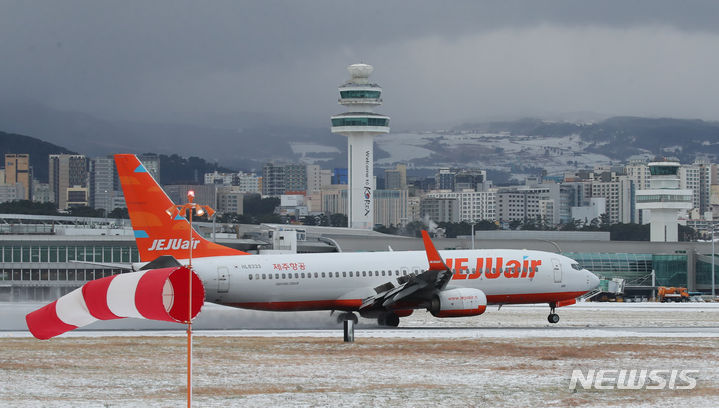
295, 179
17, 170
697, 177
413, 209
41, 192
67, 171
317, 178
472, 206
334, 199
230, 200
360, 124
444, 180
396, 179
440, 209
471, 180
517, 205
104, 183
638, 172
618, 195
10, 192
248, 182
219, 178
390, 207
273, 180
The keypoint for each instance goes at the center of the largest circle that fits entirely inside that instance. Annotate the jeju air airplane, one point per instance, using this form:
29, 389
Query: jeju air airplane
378, 285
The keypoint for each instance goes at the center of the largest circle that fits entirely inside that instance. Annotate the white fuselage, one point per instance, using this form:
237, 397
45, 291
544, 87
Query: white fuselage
341, 280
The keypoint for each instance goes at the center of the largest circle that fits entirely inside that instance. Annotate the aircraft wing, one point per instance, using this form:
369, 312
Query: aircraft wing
414, 289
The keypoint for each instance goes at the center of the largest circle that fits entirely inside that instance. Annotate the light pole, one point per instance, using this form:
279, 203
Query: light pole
182, 210
473, 234
713, 289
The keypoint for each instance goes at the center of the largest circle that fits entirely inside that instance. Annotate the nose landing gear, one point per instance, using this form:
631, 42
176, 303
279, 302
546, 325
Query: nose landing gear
553, 317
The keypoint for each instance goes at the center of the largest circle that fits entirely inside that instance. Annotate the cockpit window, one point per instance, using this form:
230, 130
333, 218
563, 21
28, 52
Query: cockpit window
576, 266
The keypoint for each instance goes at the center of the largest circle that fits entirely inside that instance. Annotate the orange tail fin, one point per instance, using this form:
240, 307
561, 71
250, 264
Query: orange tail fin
155, 233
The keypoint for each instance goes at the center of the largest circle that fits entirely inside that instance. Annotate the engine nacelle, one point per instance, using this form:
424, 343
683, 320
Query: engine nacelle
459, 302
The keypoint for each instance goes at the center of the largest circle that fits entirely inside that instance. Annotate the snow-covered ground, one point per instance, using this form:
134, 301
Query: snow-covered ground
511, 357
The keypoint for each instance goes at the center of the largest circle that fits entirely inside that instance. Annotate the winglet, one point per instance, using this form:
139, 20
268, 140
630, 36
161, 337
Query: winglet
435, 261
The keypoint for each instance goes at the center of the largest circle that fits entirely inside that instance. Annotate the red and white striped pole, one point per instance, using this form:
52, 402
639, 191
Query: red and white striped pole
173, 211
190, 197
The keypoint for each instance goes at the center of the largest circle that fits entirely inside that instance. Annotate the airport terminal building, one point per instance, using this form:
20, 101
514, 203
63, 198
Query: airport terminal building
44, 257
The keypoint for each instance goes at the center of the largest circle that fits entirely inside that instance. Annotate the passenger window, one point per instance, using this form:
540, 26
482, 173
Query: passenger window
364, 273
315, 274
283, 276
396, 272
264, 276
250, 276
382, 273
257, 276
344, 274
297, 275
270, 276
323, 274
350, 274
277, 276
303, 275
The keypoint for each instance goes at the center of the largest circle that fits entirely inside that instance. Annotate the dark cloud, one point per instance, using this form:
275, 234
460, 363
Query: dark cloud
438, 61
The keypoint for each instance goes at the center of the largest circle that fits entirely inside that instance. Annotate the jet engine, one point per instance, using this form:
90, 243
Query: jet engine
458, 302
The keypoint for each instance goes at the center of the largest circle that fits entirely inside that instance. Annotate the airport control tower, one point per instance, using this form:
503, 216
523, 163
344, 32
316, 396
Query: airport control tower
360, 124
664, 200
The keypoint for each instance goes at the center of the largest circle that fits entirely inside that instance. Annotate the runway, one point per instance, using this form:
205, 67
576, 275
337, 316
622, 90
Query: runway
506, 357
412, 332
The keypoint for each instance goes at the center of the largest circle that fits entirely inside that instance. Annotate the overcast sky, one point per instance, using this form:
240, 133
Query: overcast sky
439, 63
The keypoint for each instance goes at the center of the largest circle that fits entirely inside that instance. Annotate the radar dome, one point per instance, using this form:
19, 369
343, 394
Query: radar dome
360, 70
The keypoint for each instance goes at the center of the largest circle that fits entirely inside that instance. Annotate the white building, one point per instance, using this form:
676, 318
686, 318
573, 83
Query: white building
219, 178
472, 206
11, 192
618, 196
249, 183
317, 178
523, 203
585, 214
697, 177
334, 199
390, 207
230, 200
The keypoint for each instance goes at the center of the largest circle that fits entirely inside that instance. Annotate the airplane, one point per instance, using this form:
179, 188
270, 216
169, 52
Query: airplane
378, 285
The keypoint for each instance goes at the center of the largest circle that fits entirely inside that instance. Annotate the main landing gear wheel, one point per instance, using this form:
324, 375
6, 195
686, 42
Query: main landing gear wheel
388, 319
553, 317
